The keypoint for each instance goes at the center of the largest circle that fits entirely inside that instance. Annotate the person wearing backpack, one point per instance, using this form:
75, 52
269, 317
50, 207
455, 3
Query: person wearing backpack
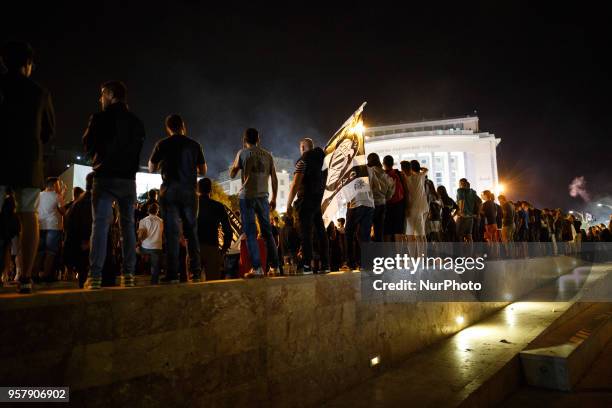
397, 205
449, 207
478, 224
466, 200
308, 184
433, 228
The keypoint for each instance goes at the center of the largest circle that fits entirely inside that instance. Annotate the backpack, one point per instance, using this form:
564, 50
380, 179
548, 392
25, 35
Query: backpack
477, 203
499, 215
435, 210
398, 195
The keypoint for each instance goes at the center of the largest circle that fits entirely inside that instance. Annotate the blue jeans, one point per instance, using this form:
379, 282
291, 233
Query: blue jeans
154, 261
249, 208
179, 206
50, 241
360, 216
106, 191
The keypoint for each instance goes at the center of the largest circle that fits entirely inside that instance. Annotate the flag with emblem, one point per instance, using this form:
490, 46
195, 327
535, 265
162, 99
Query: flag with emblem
345, 166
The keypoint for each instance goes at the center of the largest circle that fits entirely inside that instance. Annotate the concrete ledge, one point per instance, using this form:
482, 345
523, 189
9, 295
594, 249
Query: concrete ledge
271, 342
560, 359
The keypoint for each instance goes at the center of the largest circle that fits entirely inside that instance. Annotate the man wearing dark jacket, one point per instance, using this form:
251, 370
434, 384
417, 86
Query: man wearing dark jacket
113, 140
308, 184
28, 121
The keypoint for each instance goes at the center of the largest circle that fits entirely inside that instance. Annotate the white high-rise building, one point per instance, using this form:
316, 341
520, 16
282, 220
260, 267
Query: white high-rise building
450, 148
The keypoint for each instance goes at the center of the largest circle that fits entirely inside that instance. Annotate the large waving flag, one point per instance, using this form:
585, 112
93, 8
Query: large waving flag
345, 164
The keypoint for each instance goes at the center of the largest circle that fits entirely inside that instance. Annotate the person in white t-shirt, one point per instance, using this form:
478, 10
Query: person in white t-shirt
418, 206
359, 215
150, 235
50, 224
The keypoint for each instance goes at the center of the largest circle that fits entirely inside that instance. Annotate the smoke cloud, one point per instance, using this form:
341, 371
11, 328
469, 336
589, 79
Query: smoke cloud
218, 113
577, 188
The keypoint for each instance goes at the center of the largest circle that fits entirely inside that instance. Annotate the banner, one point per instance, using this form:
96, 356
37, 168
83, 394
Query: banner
345, 166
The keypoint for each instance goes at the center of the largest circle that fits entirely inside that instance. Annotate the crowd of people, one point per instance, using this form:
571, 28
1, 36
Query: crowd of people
181, 234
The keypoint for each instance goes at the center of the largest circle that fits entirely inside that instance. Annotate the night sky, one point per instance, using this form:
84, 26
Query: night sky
543, 88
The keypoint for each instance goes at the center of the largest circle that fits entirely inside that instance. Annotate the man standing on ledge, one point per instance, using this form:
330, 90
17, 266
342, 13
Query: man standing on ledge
181, 160
113, 140
309, 186
257, 167
466, 200
27, 121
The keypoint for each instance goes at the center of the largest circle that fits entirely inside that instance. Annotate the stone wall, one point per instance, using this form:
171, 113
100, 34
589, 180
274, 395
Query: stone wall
274, 342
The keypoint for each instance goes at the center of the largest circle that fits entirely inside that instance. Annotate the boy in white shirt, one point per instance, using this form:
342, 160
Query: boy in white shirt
150, 234
50, 222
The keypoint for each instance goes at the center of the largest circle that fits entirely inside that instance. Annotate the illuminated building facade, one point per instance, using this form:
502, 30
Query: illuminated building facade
450, 148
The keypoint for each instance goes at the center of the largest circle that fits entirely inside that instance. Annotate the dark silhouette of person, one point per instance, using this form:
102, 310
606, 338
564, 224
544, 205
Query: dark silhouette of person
27, 121
113, 140
211, 216
180, 160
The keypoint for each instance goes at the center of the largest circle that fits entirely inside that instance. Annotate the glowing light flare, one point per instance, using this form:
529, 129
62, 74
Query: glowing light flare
359, 128
500, 189
510, 316
460, 319
374, 361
